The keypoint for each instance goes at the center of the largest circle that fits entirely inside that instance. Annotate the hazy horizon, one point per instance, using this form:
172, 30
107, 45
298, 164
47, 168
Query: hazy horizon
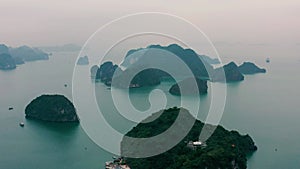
235, 27
41, 23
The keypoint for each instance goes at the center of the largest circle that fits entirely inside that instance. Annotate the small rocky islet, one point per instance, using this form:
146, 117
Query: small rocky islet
83, 60
51, 108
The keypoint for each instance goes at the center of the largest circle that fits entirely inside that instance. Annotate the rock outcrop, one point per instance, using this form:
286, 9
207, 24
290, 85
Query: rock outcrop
250, 68
228, 73
83, 60
52, 108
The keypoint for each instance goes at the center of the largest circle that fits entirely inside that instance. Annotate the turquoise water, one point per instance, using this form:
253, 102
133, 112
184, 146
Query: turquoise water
266, 106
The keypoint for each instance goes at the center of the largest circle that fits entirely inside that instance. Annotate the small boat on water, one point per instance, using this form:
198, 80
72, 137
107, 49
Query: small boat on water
268, 60
10, 108
22, 124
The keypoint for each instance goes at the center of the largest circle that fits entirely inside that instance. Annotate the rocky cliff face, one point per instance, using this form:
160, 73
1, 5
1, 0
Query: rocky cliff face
52, 108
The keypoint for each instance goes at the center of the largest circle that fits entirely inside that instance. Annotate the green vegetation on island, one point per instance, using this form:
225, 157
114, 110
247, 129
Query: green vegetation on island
224, 149
52, 108
105, 72
151, 76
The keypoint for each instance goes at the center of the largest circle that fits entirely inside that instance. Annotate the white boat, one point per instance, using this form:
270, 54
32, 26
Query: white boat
22, 124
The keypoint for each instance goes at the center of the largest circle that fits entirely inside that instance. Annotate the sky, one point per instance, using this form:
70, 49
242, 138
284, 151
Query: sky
230, 22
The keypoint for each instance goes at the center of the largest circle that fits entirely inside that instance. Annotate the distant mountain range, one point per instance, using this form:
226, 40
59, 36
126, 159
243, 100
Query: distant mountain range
10, 57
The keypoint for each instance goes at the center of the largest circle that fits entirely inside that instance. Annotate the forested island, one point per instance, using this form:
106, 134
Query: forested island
151, 77
224, 149
51, 108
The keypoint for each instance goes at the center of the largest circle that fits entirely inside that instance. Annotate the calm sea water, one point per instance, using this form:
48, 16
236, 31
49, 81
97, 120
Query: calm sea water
265, 106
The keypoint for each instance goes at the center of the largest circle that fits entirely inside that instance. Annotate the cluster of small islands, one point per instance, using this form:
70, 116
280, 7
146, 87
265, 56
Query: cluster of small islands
11, 57
200, 65
224, 149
